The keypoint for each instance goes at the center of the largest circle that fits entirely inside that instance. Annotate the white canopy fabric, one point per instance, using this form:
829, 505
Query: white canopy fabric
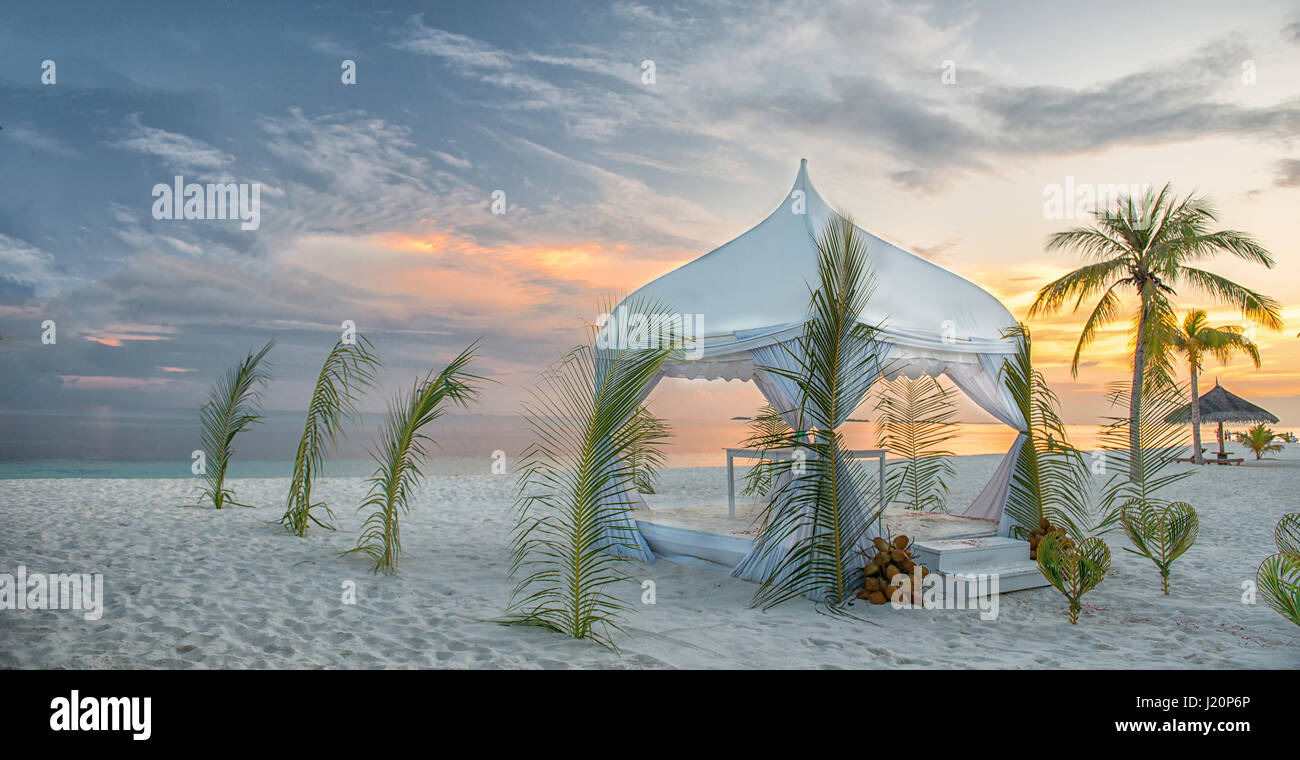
752, 294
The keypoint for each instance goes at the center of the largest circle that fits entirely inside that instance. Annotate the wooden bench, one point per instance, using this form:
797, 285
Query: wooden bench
1209, 459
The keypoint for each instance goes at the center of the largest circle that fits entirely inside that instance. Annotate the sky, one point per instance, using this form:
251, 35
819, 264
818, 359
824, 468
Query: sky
940, 126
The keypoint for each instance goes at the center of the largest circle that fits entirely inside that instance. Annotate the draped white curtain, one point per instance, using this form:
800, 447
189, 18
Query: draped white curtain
783, 394
982, 383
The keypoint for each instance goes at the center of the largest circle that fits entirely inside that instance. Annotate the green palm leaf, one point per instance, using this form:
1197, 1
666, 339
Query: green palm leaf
1287, 534
348, 369
576, 485
649, 434
232, 408
1278, 579
1072, 569
1161, 533
1139, 475
916, 419
817, 522
400, 453
766, 431
1049, 479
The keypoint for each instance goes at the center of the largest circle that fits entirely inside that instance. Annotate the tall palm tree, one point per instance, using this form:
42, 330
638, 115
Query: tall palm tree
1147, 246
1194, 340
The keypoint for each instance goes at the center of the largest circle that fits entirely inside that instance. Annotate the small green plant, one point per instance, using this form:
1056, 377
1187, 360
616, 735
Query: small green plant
1260, 440
232, 408
400, 452
646, 454
916, 418
1278, 577
1072, 569
572, 529
1161, 533
349, 368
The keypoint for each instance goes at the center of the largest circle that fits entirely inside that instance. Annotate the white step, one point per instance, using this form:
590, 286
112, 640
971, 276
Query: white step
1017, 577
669, 542
971, 554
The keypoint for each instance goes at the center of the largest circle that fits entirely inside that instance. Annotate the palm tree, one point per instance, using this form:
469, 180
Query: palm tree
1259, 439
1196, 339
1146, 246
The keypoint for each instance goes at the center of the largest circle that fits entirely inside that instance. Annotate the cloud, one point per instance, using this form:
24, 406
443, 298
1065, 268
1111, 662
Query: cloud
796, 78
450, 160
29, 270
1182, 99
596, 98
1288, 173
176, 151
30, 137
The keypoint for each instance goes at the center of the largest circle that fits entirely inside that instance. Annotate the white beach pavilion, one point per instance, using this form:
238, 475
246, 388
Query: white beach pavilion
753, 295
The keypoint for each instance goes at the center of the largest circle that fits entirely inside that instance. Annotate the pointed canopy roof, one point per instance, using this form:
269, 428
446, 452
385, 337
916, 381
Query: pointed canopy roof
760, 281
1218, 405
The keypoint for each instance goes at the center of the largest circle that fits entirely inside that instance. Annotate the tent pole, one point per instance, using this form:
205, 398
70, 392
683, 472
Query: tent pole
1221, 452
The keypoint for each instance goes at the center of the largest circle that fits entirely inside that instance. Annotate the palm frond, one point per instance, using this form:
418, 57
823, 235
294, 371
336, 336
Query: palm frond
1257, 307
576, 486
1073, 568
767, 430
1287, 534
400, 453
817, 523
1162, 534
646, 455
1049, 479
1106, 311
348, 370
231, 409
1278, 577
915, 419
1278, 580
1138, 475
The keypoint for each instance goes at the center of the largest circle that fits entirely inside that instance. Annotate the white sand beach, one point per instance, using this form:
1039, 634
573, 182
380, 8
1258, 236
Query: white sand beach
196, 588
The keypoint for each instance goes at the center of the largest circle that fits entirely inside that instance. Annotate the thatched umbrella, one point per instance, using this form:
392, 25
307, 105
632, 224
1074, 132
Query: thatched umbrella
1218, 405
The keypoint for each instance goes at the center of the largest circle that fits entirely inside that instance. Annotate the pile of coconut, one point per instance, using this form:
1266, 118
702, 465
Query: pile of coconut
892, 559
1043, 530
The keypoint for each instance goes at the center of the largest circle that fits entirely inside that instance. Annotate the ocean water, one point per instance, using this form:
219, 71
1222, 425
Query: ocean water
104, 442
